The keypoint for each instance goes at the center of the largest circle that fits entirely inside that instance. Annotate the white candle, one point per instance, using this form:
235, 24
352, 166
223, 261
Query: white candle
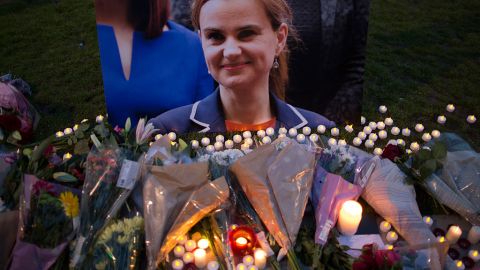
177, 264
282, 130
406, 132
205, 141
388, 121
335, 131
172, 136
373, 137
414, 146
159, 136
300, 138
369, 143
474, 235
190, 245
210, 148
395, 131
266, 140
260, 258
332, 142
380, 125
241, 266
474, 255
382, 109
392, 237
188, 257
218, 146
349, 128
378, 151
435, 133
270, 131
321, 129
450, 108
182, 239
400, 142
357, 141
252, 267
471, 119
229, 144
245, 147
428, 220
248, 141
441, 119
247, 134
441, 239
178, 251
292, 132
314, 138
237, 138
362, 135
213, 265
203, 243
68, 131
419, 127
248, 260
385, 226
219, 138
367, 130
194, 144
306, 131
281, 135
453, 234
363, 120
382, 134
426, 137
342, 142
459, 265
349, 217
389, 247
261, 133
200, 257
408, 151
372, 125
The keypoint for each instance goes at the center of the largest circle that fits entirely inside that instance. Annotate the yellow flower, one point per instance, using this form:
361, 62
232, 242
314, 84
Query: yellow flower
70, 204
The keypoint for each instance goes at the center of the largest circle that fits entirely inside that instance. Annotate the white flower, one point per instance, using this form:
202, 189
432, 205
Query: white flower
143, 133
226, 157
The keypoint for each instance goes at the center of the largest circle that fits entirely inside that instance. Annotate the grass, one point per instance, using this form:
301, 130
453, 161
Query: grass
421, 56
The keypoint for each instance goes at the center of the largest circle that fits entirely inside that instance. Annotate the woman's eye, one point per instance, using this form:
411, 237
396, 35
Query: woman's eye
246, 34
215, 36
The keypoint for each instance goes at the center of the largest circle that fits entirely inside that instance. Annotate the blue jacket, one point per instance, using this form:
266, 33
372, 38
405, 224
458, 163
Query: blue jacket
207, 115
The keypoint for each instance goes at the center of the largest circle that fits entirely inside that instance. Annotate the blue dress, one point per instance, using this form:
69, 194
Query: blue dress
166, 72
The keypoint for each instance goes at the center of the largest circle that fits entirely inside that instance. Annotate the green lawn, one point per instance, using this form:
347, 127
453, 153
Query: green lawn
421, 55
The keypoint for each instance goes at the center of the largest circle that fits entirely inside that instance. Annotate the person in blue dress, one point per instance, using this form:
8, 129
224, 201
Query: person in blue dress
149, 64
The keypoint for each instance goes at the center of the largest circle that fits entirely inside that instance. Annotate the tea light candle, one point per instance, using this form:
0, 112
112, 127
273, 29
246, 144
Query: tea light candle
205, 141
419, 128
406, 132
357, 141
241, 266
261, 133
282, 130
385, 226
247, 134
426, 137
380, 125
203, 243
67, 156
300, 138
342, 142
372, 125
474, 255
266, 140
321, 129
59, 134
237, 138
313, 138
367, 130
229, 144
435, 133
335, 131
248, 141
188, 257
373, 137
441, 119
389, 247
400, 142
218, 146
471, 119
306, 131
382, 134
270, 131
414, 146
210, 148
362, 135
292, 132
245, 147
369, 143
349, 217
392, 237
252, 267
441, 239
177, 264
450, 108
453, 234
200, 257
474, 235
388, 121
349, 128
178, 251
241, 242
408, 151
213, 265
281, 135
220, 138
363, 120
428, 220
194, 144
190, 245
99, 118
182, 239
159, 136
382, 109
247, 260
260, 258
332, 142
459, 265
67, 131
377, 151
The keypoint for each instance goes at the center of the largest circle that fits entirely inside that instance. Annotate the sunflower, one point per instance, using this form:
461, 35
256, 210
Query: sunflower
70, 204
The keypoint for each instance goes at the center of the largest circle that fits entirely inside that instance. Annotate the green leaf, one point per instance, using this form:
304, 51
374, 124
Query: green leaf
27, 152
427, 168
182, 145
439, 151
423, 155
37, 153
16, 135
69, 141
64, 177
81, 147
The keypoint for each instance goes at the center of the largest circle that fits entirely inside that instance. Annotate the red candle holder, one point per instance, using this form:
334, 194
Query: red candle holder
242, 240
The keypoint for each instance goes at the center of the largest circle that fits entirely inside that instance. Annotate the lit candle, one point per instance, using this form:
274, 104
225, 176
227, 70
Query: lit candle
372, 125
474, 235
159, 136
68, 131
382, 109
245, 147
408, 151
292, 132
349, 128
342, 142
373, 137
219, 138
67, 156
377, 151
392, 237
426, 137
75, 127
419, 128
332, 142
266, 140
349, 217
441, 239
414, 146
172, 136
252, 267
247, 134
459, 265
395, 131
188, 257
362, 135
474, 255
261, 133
428, 220
406, 132
400, 142
213, 265
380, 125
179, 251
367, 130
177, 264
241, 266
435, 133
335, 131
450, 108
300, 138
282, 130
210, 148
281, 135
471, 119
194, 143
260, 258
363, 120
313, 138
453, 234
182, 239
237, 138
248, 141
382, 134
241, 242
200, 257
270, 131
229, 144
357, 141
388, 121
389, 247
385, 226
59, 134
99, 118
369, 143
441, 119
247, 260
218, 146
306, 131
205, 141
321, 129
190, 245
203, 243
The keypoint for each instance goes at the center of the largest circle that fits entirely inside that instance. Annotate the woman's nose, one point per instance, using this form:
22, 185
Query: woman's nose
231, 49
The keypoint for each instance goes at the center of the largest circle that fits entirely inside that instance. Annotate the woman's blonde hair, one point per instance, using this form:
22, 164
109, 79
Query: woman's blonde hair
278, 12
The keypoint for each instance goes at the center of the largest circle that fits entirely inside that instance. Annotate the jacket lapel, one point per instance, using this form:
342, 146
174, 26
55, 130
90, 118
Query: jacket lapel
207, 114
287, 115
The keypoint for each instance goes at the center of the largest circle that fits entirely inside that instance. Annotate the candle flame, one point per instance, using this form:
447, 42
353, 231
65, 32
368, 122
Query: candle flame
441, 239
475, 253
177, 263
428, 219
459, 263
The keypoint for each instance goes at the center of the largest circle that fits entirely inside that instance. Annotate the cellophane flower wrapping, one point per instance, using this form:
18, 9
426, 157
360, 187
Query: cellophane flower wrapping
47, 222
393, 199
109, 181
457, 184
277, 180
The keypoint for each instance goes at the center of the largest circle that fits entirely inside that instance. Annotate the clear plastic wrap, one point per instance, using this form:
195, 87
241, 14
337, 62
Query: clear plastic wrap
47, 222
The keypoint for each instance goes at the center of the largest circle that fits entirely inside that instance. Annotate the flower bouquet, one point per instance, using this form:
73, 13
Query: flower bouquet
48, 220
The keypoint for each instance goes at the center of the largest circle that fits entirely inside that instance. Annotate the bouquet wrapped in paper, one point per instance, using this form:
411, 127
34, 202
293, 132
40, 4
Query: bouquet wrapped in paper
48, 220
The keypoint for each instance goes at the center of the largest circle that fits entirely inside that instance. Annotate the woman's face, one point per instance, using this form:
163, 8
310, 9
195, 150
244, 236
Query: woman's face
238, 42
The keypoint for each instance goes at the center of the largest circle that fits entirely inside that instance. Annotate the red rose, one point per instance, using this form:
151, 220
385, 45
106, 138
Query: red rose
391, 152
